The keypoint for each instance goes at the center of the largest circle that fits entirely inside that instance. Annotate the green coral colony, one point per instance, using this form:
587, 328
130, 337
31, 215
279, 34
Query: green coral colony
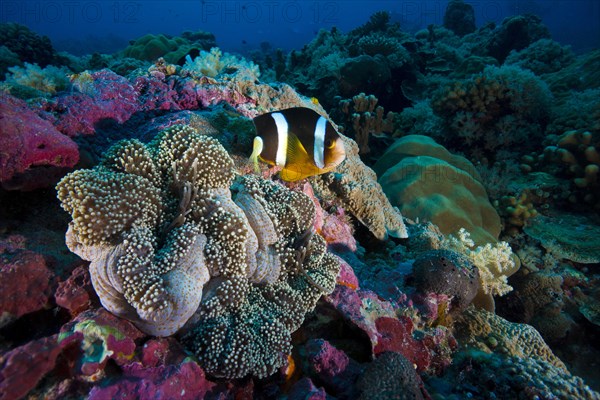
177, 241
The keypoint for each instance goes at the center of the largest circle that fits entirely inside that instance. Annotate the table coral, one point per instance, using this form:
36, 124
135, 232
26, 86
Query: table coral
167, 241
568, 236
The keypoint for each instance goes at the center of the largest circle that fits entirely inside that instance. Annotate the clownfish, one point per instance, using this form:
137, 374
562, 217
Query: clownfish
299, 140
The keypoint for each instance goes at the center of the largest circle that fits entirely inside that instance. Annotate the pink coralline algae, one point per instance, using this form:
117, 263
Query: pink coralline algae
33, 152
25, 284
333, 225
396, 335
185, 381
346, 276
76, 293
23, 367
430, 350
331, 367
108, 97
162, 370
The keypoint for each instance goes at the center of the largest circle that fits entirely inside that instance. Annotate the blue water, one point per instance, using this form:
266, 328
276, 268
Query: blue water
106, 26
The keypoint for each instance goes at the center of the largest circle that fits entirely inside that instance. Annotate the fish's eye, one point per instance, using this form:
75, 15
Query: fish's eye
330, 144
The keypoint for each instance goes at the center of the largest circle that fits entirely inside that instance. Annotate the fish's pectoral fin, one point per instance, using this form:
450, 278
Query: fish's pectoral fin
296, 153
299, 164
257, 148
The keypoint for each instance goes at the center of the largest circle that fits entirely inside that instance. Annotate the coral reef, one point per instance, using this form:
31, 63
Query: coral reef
427, 182
361, 118
173, 49
459, 17
391, 376
447, 272
542, 57
34, 153
516, 33
23, 367
538, 300
501, 107
45, 81
26, 44
495, 262
163, 234
576, 155
215, 63
356, 186
490, 333
337, 64
25, 284
569, 236
203, 280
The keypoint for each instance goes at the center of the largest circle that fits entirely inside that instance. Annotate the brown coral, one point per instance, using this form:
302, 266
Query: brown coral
356, 185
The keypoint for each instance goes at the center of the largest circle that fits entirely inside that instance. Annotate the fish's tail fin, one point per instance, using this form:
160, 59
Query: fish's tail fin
256, 150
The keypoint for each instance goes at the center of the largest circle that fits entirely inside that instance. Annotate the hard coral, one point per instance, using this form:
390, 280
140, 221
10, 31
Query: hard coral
576, 156
356, 185
29, 46
427, 182
491, 333
168, 242
363, 118
391, 376
46, 81
459, 17
500, 107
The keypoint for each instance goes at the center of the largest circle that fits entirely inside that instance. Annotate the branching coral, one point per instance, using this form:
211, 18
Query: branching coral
363, 118
495, 263
497, 108
542, 57
577, 156
167, 241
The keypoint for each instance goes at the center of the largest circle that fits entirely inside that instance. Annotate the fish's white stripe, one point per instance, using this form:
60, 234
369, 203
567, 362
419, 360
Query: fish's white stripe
282, 138
319, 147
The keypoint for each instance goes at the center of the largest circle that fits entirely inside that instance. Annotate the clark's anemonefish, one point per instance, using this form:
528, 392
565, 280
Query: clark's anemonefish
301, 141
